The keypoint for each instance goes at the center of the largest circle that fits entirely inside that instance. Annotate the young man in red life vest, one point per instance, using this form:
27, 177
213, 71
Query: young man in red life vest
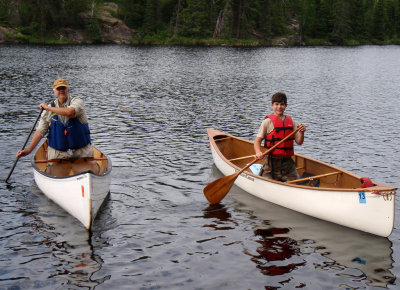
278, 165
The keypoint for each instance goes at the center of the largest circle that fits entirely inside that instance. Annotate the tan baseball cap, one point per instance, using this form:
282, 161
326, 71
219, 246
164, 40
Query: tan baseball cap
60, 83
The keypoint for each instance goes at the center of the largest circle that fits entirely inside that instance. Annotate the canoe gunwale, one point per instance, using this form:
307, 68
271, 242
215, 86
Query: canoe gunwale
108, 171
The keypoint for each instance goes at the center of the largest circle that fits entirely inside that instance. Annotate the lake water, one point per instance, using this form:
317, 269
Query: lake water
149, 108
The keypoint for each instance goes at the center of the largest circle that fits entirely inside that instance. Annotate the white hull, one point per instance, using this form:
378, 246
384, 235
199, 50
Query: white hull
343, 207
76, 187
80, 195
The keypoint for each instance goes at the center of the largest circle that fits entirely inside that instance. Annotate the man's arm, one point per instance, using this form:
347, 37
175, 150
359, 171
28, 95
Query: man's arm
67, 112
32, 145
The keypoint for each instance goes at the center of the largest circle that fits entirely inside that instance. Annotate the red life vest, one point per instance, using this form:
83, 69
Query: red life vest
281, 130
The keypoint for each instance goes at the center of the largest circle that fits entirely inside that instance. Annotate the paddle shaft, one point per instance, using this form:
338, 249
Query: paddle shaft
268, 151
23, 147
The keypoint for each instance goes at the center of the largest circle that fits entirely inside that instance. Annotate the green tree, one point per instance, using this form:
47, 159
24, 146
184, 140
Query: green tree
269, 17
46, 15
132, 12
194, 20
358, 18
151, 17
379, 20
93, 27
222, 19
4, 12
392, 18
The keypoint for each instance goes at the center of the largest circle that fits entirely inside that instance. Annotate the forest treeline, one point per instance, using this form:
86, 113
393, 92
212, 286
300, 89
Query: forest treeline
262, 22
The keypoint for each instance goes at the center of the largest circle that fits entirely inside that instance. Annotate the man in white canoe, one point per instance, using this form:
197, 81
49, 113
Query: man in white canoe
66, 123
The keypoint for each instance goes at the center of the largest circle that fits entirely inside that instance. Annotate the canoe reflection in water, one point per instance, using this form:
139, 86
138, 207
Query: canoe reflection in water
289, 240
69, 243
274, 249
221, 216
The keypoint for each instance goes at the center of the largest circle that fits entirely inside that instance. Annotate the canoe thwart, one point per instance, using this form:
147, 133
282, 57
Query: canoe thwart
243, 157
314, 177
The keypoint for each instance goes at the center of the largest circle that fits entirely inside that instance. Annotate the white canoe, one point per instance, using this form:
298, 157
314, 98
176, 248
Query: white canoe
338, 198
81, 190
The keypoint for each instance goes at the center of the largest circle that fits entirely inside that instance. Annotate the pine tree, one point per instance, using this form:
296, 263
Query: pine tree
378, 26
151, 17
194, 20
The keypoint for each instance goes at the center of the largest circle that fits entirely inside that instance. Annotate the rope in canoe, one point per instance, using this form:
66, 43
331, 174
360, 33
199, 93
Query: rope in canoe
387, 195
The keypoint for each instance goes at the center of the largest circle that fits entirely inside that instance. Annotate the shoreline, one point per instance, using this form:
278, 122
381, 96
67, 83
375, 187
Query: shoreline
196, 43
10, 36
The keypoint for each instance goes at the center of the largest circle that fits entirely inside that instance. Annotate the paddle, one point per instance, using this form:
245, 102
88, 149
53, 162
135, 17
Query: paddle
216, 190
23, 147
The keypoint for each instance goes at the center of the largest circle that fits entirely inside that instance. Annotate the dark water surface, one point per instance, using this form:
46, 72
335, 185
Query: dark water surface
149, 109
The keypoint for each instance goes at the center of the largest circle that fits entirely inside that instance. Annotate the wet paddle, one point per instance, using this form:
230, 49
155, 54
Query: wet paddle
23, 147
216, 190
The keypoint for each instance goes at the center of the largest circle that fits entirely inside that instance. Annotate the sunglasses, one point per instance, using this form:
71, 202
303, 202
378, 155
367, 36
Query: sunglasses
61, 88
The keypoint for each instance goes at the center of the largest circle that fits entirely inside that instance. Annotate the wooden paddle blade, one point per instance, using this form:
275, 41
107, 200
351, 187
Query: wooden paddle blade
216, 190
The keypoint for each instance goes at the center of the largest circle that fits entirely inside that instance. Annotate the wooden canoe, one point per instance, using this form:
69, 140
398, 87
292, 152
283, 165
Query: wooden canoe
78, 186
330, 194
